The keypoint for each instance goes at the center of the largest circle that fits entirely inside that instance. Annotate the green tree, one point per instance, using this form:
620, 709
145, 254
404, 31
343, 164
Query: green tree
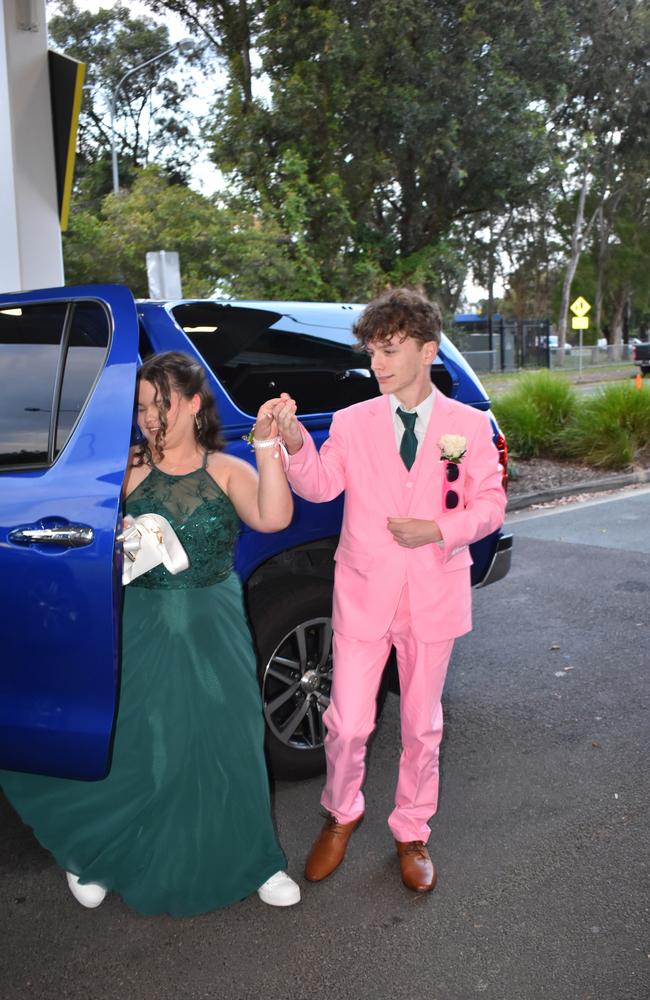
152, 120
408, 118
604, 118
224, 249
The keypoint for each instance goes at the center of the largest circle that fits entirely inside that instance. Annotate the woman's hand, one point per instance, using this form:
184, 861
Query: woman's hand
265, 423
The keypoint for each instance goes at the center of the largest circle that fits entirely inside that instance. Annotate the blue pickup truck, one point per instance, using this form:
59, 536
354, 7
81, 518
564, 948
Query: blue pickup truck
68, 360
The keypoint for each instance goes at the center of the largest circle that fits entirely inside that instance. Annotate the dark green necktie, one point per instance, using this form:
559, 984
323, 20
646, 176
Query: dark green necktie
409, 444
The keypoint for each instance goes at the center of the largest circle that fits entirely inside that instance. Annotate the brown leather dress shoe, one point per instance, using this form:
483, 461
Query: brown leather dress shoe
418, 870
329, 848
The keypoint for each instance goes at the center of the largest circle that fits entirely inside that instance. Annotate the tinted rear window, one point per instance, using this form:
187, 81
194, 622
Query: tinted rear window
50, 356
254, 361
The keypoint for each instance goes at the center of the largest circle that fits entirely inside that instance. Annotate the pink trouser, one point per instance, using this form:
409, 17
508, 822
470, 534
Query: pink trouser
350, 719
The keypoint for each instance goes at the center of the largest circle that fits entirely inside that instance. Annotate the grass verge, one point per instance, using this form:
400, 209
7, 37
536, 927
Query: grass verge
534, 413
542, 416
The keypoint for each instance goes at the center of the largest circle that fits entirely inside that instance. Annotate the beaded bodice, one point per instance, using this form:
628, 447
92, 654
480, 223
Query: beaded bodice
202, 516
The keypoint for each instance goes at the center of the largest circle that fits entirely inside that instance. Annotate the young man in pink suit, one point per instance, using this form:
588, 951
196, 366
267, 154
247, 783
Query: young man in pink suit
422, 481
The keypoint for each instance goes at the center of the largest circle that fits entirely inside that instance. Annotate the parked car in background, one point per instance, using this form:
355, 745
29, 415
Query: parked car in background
68, 358
551, 343
554, 344
641, 356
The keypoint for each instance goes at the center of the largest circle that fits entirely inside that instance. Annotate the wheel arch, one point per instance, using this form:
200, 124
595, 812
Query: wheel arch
309, 560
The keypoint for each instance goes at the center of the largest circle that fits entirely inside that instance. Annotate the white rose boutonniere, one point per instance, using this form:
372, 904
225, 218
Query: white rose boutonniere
452, 447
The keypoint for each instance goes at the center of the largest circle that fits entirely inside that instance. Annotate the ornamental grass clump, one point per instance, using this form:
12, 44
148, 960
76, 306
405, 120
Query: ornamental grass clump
535, 412
610, 429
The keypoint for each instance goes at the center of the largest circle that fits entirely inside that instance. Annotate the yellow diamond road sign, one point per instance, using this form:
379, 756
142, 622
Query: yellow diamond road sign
580, 307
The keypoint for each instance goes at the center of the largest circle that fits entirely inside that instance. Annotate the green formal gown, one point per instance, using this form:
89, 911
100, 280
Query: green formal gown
182, 823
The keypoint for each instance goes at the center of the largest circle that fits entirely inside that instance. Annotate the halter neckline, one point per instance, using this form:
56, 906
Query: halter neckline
181, 475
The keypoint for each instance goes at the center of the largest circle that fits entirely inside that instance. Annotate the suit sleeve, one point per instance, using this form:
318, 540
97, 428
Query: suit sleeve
319, 475
485, 498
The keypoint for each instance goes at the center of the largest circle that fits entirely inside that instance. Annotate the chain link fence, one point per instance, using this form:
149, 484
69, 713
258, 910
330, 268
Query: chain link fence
509, 345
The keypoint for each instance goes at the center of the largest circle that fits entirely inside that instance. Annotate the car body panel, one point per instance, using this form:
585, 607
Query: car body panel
60, 604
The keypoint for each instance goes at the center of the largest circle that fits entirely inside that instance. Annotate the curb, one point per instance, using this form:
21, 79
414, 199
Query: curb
588, 486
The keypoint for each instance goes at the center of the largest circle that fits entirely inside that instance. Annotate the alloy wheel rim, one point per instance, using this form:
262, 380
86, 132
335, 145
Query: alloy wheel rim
296, 684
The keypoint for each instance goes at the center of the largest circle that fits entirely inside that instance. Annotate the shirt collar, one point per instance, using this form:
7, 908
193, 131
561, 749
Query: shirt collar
423, 409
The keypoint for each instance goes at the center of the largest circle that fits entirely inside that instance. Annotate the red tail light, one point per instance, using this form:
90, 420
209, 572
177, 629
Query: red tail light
502, 448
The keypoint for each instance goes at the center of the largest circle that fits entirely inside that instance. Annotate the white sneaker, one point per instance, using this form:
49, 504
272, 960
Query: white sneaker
279, 890
90, 895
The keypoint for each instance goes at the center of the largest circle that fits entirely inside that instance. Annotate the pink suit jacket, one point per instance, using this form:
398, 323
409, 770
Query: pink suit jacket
361, 457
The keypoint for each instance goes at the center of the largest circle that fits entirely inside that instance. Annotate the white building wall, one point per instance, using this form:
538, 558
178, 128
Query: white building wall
30, 235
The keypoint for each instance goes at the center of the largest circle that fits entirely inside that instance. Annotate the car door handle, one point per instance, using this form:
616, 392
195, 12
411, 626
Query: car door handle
72, 536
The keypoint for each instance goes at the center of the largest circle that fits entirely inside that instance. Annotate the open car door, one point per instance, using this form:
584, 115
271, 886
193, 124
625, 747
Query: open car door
68, 359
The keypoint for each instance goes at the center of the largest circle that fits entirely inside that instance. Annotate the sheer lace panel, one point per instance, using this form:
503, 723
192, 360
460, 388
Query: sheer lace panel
203, 518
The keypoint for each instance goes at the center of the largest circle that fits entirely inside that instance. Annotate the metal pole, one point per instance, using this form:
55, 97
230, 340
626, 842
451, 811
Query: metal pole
116, 179
580, 356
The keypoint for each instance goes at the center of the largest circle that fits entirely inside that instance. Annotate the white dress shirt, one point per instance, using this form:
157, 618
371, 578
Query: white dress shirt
424, 415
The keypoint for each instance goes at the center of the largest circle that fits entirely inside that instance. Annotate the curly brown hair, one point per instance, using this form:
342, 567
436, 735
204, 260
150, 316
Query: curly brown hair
399, 311
170, 371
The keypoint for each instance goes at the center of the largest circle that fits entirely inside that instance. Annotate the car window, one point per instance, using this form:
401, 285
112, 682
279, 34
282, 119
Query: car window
145, 349
254, 360
50, 356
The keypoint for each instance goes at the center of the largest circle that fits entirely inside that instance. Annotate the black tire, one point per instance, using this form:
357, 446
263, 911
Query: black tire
293, 622
293, 632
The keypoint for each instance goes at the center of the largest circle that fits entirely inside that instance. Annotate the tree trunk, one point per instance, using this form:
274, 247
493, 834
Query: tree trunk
603, 239
578, 239
618, 314
245, 53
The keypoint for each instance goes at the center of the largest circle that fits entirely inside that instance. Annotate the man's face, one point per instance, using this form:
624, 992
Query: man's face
402, 366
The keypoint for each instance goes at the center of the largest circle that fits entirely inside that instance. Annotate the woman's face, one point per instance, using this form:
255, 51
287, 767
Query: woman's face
180, 415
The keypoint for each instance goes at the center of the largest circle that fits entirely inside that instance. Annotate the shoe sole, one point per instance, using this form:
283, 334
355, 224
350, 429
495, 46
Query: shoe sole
277, 902
321, 878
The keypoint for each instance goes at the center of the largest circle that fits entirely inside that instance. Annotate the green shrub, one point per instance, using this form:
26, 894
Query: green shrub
610, 429
534, 413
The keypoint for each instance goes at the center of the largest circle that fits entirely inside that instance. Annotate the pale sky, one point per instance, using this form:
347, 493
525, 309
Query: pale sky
204, 176
176, 28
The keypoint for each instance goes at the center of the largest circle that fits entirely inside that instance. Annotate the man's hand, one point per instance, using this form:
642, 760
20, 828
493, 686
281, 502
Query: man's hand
411, 532
284, 411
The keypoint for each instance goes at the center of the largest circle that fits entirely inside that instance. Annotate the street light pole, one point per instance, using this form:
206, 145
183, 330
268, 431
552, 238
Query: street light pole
116, 179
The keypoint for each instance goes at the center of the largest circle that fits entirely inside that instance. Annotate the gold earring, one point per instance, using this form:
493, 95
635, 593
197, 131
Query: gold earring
197, 421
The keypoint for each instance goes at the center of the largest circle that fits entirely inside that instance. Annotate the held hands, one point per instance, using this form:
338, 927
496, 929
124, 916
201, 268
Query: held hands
265, 423
411, 532
282, 414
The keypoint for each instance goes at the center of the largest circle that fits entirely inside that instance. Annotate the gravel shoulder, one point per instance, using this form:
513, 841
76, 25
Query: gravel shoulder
537, 481
534, 475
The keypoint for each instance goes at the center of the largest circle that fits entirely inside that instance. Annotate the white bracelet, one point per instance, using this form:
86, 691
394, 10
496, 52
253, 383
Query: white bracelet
265, 442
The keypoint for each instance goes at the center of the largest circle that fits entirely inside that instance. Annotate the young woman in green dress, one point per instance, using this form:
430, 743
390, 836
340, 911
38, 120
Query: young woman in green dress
182, 822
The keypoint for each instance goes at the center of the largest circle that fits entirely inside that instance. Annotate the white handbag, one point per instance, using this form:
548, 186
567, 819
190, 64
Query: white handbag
147, 541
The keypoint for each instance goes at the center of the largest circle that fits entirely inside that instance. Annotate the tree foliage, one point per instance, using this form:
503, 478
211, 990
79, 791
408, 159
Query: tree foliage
370, 142
151, 120
224, 250
409, 118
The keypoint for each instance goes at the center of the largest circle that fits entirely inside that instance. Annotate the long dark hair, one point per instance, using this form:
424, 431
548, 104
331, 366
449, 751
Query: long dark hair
175, 370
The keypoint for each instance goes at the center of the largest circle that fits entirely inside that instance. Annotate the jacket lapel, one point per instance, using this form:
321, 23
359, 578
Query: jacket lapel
427, 462
386, 456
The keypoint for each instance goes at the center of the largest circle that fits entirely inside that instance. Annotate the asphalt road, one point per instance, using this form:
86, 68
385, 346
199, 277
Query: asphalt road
541, 838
